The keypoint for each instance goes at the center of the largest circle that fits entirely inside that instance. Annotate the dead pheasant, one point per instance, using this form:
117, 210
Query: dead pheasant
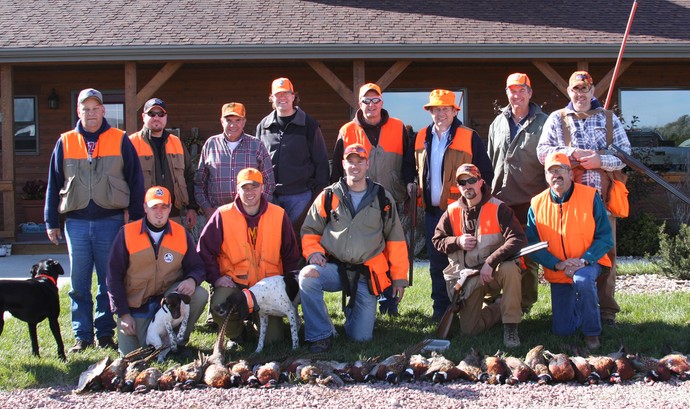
623, 367
136, 367
113, 377
168, 380
320, 373
678, 364
560, 367
583, 370
243, 369
535, 359
392, 367
416, 368
495, 370
442, 369
266, 374
216, 374
652, 369
360, 369
520, 372
147, 380
471, 365
602, 366
191, 374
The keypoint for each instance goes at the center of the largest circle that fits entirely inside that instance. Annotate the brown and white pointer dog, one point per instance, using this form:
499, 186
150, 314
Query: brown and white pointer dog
34, 300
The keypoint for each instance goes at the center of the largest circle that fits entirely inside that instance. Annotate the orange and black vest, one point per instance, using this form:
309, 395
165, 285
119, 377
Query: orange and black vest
174, 155
568, 227
148, 275
101, 179
244, 262
385, 160
488, 233
458, 152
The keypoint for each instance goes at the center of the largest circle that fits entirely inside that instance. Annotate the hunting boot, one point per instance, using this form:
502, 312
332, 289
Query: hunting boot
510, 336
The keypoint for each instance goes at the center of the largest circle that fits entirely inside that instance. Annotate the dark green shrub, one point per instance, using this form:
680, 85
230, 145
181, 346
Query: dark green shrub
638, 235
674, 253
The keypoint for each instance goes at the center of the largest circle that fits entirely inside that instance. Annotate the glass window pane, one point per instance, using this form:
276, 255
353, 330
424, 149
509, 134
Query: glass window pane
115, 115
25, 127
408, 106
24, 109
665, 110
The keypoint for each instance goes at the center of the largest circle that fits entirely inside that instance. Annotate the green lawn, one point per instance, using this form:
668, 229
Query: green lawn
647, 324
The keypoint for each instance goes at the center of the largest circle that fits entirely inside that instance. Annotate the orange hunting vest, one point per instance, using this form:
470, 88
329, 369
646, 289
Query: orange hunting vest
489, 235
244, 263
568, 228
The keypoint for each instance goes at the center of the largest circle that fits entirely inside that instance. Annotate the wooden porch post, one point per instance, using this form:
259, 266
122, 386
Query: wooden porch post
7, 182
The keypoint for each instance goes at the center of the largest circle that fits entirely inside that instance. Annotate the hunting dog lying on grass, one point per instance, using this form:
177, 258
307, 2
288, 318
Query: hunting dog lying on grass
34, 300
174, 311
275, 296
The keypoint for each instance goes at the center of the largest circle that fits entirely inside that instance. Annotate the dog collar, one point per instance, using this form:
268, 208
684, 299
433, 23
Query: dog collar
52, 280
250, 300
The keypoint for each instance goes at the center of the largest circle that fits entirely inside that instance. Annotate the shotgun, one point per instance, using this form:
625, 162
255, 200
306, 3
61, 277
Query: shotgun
412, 204
447, 319
641, 168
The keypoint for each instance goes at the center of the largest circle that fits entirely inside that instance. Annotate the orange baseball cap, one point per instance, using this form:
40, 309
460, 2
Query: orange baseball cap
369, 87
556, 158
356, 149
469, 170
580, 77
249, 175
234, 109
157, 195
281, 85
518, 78
441, 98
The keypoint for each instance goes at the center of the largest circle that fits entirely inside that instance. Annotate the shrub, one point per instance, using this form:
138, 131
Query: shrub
638, 235
674, 253
34, 190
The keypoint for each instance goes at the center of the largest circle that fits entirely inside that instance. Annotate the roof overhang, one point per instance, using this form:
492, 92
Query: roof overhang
344, 52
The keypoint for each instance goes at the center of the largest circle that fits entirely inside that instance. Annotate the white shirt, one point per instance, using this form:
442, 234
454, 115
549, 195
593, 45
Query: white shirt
438, 148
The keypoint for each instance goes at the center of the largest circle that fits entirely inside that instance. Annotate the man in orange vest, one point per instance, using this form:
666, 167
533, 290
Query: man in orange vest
572, 218
244, 242
165, 161
439, 150
480, 232
151, 257
391, 157
95, 181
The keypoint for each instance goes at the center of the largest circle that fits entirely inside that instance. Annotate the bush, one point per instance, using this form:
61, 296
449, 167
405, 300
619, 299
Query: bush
674, 253
638, 235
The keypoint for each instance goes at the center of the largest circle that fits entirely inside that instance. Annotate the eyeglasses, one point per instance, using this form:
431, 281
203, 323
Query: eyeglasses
557, 171
367, 101
159, 114
580, 90
470, 181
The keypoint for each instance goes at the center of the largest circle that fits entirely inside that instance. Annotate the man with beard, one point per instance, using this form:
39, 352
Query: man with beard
480, 232
165, 161
582, 131
572, 218
353, 242
513, 138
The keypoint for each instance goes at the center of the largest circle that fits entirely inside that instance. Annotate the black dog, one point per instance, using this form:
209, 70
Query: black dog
34, 300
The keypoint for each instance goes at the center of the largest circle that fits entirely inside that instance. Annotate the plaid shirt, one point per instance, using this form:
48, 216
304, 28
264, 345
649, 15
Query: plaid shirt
215, 182
590, 134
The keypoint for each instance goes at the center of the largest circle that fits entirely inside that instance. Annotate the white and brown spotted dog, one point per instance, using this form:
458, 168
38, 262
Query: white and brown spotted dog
174, 311
276, 296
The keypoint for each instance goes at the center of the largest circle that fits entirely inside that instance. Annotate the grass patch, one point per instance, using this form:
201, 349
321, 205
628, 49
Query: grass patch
647, 323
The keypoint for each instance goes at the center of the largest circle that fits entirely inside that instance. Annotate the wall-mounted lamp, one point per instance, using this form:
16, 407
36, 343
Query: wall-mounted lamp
53, 100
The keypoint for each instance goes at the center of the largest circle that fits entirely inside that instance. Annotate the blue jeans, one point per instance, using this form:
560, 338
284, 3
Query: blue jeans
576, 305
437, 262
88, 243
294, 205
359, 320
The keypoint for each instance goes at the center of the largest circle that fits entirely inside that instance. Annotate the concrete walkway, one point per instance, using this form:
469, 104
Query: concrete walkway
18, 266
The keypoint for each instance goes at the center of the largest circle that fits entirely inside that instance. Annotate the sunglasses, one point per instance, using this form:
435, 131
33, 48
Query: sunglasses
367, 101
470, 181
159, 114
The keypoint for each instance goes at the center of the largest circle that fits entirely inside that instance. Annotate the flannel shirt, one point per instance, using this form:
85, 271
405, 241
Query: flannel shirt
589, 133
215, 181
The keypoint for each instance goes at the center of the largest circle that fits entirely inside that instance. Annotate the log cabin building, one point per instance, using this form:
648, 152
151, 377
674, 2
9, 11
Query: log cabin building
198, 55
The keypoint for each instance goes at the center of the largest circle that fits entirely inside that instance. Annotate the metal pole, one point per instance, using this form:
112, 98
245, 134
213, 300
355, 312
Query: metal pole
620, 55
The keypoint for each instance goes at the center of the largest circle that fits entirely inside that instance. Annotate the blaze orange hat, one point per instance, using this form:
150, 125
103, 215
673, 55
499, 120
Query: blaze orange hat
518, 78
441, 98
369, 87
281, 85
469, 170
249, 175
556, 158
233, 108
580, 77
356, 149
157, 195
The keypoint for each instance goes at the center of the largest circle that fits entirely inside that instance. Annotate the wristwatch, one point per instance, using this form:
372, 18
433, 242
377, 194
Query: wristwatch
585, 262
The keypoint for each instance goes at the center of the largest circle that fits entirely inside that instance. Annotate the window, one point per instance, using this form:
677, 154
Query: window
25, 125
409, 106
666, 111
114, 103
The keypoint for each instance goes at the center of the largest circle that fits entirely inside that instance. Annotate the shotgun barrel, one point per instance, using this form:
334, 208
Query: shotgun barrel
412, 205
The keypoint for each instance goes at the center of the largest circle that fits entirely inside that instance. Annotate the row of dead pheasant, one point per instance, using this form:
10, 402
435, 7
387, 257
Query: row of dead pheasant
133, 374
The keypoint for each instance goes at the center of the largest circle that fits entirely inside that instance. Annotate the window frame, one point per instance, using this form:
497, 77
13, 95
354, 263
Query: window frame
36, 148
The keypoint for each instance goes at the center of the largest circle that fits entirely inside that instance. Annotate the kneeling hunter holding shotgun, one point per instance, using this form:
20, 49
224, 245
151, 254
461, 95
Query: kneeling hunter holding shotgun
480, 232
